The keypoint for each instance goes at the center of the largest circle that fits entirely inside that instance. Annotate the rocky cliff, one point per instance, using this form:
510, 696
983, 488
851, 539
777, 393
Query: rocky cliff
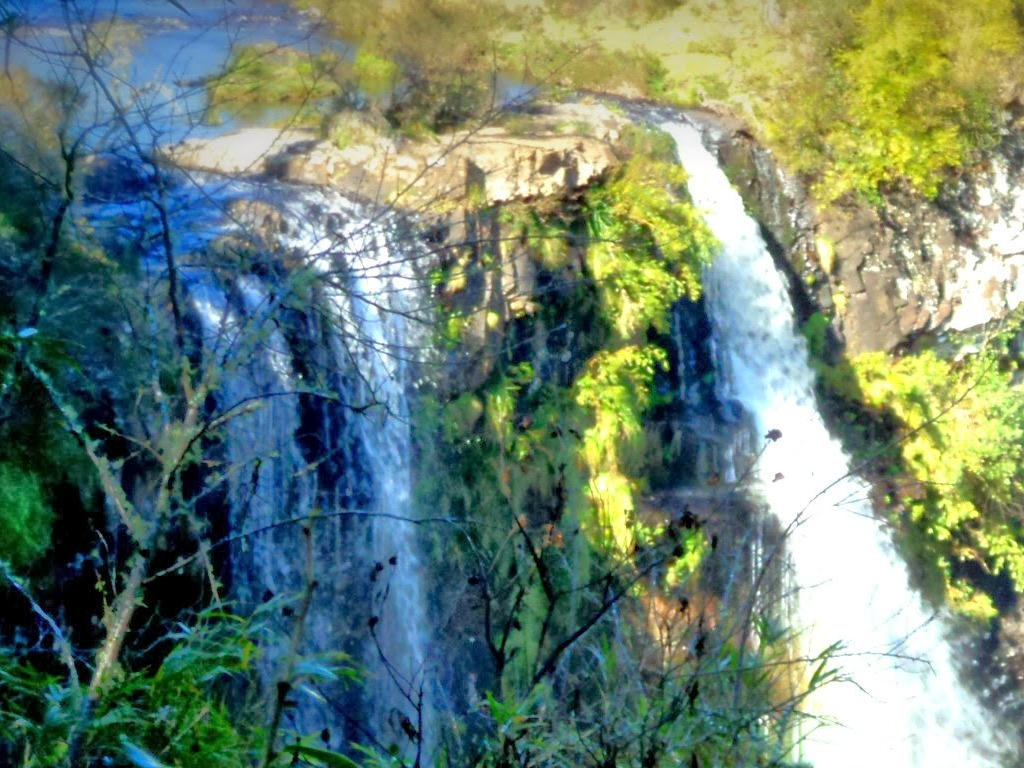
561, 149
887, 274
904, 268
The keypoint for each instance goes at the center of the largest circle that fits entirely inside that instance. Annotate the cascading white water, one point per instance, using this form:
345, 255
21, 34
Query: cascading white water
371, 283
332, 454
898, 702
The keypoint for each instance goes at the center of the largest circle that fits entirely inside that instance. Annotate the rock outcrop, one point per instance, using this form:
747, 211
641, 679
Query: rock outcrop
244, 152
907, 267
455, 185
488, 166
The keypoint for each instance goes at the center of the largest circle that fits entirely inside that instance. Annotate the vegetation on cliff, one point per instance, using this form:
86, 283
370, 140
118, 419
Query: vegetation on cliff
603, 642
890, 93
605, 639
951, 431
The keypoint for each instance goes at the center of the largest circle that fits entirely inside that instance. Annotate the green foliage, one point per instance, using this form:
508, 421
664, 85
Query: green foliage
648, 244
375, 74
20, 201
190, 712
957, 471
632, 11
32, 712
897, 93
634, 687
546, 237
626, 706
318, 756
815, 331
39, 460
273, 76
616, 389
646, 249
347, 127
586, 64
25, 517
427, 64
199, 708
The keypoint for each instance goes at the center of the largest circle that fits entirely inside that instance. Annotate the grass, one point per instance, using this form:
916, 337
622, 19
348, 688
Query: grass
717, 53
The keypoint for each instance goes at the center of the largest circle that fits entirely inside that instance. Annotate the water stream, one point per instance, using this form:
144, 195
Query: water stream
160, 55
898, 701
345, 310
373, 292
313, 350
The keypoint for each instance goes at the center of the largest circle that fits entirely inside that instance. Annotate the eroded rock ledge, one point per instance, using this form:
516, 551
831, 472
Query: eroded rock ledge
568, 147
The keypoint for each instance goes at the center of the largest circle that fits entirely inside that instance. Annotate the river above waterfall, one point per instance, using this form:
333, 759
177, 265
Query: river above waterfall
170, 49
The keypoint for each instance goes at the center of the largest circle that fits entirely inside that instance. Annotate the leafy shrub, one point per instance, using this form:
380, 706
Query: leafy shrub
582, 63
959, 464
632, 11
427, 64
896, 92
647, 245
271, 75
191, 711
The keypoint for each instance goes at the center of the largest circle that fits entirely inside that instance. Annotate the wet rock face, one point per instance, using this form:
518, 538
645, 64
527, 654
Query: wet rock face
890, 273
912, 265
907, 267
111, 178
487, 167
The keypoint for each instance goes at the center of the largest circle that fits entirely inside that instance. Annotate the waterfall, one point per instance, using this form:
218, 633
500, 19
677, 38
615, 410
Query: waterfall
379, 318
313, 349
897, 701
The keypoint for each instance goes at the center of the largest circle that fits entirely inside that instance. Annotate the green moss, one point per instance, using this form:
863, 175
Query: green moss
815, 331
25, 518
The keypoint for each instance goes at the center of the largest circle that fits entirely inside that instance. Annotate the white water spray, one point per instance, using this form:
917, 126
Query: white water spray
374, 292
357, 330
898, 702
